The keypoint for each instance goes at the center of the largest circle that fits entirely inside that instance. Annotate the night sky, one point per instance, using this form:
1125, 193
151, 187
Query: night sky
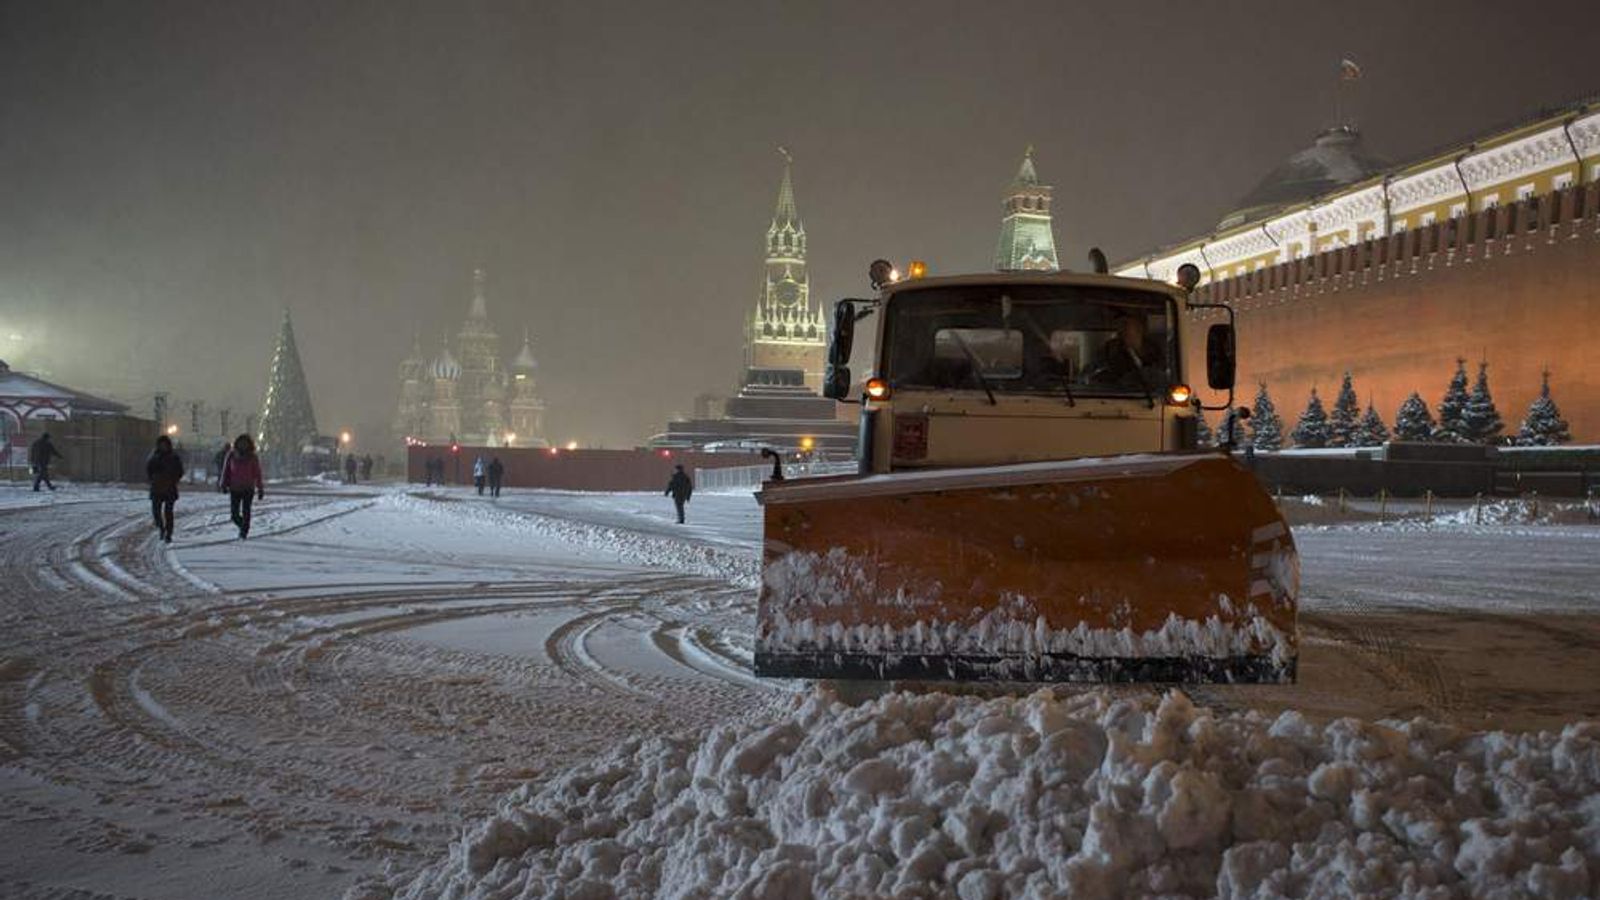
173, 174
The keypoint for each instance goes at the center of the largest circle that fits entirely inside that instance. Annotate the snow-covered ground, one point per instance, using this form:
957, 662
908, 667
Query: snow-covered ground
331, 702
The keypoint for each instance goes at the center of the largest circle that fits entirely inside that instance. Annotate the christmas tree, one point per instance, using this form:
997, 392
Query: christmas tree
287, 421
1452, 426
1202, 431
1266, 429
1543, 426
1414, 422
1370, 431
1482, 420
1346, 417
1312, 429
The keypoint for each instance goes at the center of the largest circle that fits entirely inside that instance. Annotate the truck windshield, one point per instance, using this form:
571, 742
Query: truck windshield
1032, 339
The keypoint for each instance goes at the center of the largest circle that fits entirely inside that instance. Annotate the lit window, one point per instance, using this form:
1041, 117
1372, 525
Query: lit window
1525, 191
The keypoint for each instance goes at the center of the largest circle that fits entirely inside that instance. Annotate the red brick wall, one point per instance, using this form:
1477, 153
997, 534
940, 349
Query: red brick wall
575, 470
1398, 311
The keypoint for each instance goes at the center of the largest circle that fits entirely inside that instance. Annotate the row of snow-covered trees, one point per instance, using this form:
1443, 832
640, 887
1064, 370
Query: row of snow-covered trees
1465, 417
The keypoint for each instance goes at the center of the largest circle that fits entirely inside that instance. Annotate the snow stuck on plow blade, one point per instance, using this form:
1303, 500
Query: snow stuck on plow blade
1171, 568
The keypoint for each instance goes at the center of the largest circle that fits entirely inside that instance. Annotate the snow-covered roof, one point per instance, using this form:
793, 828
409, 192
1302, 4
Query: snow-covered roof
21, 390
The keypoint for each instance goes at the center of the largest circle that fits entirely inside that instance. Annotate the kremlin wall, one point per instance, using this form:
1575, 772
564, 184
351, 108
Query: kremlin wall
1489, 251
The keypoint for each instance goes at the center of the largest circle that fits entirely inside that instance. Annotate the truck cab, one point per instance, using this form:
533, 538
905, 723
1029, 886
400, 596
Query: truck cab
992, 369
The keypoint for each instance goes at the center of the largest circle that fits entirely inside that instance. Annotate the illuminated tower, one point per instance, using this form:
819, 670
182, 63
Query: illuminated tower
287, 422
1027, 242
785, 337
481, 389
526, 409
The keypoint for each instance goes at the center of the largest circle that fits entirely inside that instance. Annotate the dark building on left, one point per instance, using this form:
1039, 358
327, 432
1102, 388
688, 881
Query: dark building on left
97, 437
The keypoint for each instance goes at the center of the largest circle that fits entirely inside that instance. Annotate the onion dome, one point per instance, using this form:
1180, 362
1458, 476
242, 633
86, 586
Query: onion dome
525, 362
445, 365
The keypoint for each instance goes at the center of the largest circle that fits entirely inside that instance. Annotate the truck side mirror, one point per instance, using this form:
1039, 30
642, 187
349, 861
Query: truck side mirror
836, 383
844, 333
1220, 359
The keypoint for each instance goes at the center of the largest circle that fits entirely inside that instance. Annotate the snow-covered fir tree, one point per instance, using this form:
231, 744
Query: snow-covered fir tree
1312, 429
1414, 422
1482, 421
1346, 417
1266, 428
1202, 431
1370, 431
1543, 426
1452, 427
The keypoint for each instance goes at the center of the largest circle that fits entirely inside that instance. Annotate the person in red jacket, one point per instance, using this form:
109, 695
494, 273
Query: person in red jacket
241, 478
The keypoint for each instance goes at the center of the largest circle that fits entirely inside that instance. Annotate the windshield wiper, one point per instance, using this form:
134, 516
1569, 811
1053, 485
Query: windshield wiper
1066, 370
977, 368
1138, 369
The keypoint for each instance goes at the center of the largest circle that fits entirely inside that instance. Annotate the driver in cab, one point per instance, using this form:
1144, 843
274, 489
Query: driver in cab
1130, 351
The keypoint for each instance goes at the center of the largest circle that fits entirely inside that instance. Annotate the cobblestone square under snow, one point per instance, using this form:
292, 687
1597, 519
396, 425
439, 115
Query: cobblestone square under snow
404, 692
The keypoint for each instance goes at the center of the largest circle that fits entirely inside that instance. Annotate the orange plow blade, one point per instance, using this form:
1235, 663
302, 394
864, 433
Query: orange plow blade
1172, 568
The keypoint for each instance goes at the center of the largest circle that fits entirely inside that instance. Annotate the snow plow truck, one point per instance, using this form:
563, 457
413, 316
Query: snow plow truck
1032, 503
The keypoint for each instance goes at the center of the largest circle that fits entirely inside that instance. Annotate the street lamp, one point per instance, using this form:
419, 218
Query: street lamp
510, 436
344, 437
572, 445
172, 431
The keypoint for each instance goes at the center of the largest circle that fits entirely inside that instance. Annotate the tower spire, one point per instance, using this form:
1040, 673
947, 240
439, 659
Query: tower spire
1027, 238
480, 306
786, 215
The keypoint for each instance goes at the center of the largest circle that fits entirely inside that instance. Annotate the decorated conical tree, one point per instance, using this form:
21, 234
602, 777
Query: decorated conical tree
287, 421
1266, 428
1452, 425
1414, 422
1312, 429
1370, 431
1482, 421
1543, 426
1346, 417
1202, 431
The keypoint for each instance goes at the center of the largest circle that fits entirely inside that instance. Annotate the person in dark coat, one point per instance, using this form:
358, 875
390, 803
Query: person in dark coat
164, 468
1126, 356
680, 488
39, 455
497, 470
366, 467
349, 469
218, 458
241, 478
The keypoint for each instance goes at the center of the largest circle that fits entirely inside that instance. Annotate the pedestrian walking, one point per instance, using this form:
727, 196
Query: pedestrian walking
218, 458
349, 469
497, 471
680, 488
366, 467
39, 455
479, 471
1231, 434
164, 468
241, 478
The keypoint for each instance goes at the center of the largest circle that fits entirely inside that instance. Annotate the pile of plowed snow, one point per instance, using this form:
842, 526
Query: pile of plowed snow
1091, 795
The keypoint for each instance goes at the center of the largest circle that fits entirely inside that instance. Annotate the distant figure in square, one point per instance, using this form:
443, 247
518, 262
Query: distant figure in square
366, 467
39, 455
241, 478
480, 470
680, 488
349, 469
164, 468
497, 471
1231, 434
